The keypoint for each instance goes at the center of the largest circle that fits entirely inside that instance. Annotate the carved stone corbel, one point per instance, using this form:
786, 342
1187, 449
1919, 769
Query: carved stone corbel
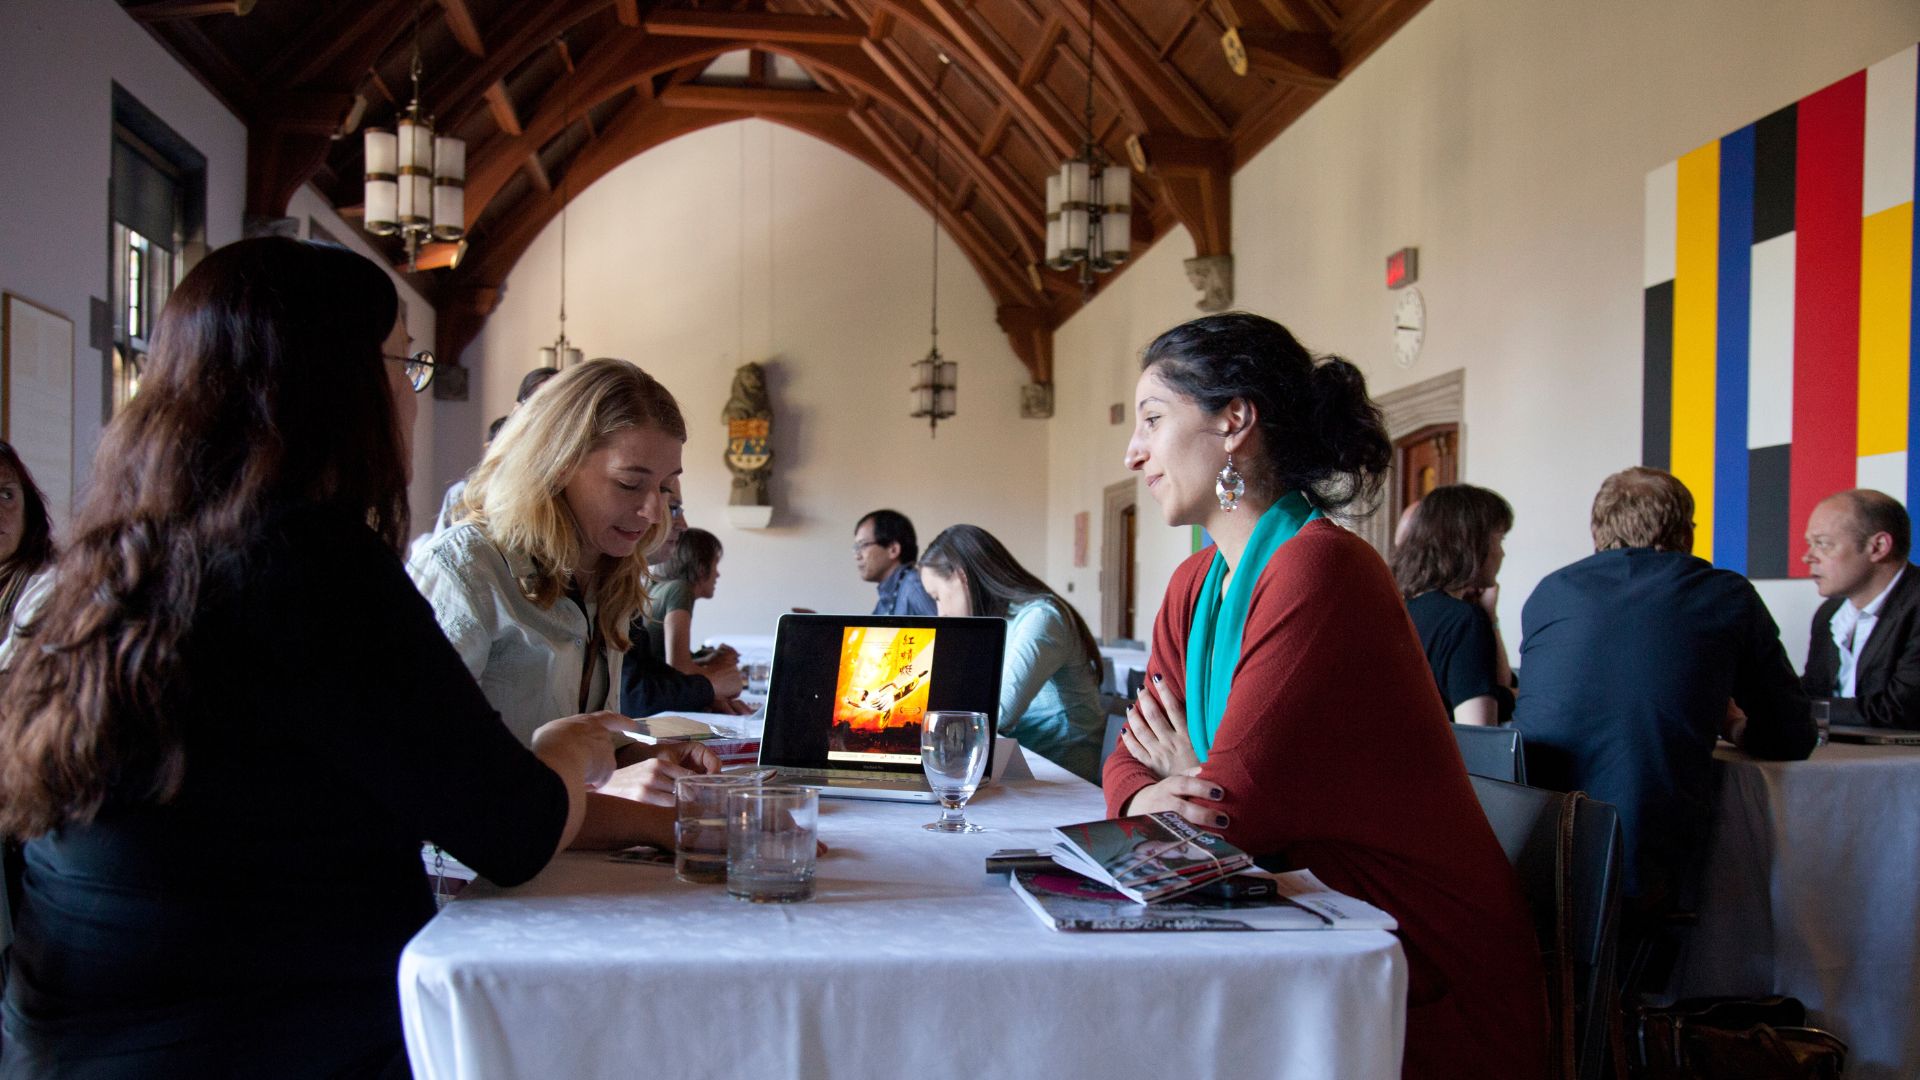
1213, 276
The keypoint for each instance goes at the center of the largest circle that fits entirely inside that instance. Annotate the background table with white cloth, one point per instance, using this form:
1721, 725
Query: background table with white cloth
1812, 888
911, 963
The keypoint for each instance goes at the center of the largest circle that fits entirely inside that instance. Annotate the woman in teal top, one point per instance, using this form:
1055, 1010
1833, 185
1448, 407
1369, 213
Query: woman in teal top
1050, 681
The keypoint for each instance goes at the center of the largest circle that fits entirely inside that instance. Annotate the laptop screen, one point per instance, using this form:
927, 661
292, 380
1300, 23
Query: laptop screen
852, 691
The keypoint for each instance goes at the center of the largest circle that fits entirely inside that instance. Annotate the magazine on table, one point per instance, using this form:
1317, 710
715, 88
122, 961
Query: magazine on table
1149, 857
1066, 901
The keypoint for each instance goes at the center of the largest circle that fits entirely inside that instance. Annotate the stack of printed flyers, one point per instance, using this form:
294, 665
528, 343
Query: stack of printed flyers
1158, 872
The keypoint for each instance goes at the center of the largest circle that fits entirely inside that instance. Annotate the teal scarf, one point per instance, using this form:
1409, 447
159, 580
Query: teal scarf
1213, 645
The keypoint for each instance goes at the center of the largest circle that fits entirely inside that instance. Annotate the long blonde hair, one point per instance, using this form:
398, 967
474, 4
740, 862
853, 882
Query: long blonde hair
514, 494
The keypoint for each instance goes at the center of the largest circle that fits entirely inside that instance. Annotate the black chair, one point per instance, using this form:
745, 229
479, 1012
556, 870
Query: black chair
1135, 680
1112, 738
1567, 850
1496, 753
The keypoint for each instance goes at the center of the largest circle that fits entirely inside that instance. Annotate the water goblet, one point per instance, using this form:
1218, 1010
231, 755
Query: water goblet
953, 751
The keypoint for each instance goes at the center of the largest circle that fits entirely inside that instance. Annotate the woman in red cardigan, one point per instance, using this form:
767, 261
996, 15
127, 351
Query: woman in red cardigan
1289, 705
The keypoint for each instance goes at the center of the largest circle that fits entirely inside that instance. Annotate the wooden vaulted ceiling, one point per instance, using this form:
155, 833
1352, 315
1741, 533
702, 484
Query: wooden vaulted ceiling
550, 95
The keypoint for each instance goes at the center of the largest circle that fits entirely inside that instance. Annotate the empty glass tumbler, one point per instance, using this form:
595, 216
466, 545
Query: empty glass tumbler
700, 826
771, 836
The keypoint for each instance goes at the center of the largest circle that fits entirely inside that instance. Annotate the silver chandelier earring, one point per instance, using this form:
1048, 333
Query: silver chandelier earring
1229, 486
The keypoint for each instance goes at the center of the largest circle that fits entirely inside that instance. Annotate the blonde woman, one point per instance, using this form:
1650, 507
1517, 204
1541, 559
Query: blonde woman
538, 585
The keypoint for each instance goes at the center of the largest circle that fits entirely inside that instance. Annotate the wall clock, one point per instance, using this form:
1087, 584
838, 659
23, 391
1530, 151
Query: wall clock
1409, 326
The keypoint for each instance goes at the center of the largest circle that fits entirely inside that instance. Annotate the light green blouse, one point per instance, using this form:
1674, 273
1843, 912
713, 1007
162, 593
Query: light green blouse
1049, 695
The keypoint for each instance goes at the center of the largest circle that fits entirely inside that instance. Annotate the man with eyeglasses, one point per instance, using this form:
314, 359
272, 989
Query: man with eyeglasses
1865, 644
884, 551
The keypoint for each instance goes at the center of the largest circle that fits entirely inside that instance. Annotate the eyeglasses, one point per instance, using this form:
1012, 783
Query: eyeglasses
862, 545
419, 368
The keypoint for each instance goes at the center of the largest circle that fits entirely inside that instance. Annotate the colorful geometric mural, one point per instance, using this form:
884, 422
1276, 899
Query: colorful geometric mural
1781, 359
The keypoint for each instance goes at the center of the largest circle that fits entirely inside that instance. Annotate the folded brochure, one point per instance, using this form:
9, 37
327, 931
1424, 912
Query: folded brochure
659, 729
1299, 902
1149, 857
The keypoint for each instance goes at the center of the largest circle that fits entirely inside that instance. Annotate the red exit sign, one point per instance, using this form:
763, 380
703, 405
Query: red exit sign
1403, 267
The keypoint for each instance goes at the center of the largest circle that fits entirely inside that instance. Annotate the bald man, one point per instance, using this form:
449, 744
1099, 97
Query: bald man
1866, 637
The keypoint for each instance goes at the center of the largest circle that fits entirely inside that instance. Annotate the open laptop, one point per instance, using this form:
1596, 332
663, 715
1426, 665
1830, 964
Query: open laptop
847, 693
1841, 711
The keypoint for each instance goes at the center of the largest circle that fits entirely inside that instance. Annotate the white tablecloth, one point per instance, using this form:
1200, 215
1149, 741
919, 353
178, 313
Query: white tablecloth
911, 963
1812, 888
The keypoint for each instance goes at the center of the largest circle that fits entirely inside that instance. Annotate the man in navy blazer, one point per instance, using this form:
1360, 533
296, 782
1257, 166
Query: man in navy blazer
1866, 637
1631, 662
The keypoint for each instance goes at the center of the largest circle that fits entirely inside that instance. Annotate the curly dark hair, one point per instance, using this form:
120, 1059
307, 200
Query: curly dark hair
266, 392
1449, 538
1323, 435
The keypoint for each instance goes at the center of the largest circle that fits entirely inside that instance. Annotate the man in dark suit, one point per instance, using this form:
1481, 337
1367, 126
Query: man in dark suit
1630, 659
1866, 637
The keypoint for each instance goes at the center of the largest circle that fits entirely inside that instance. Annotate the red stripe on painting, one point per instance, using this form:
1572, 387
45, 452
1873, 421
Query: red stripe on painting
1826, 302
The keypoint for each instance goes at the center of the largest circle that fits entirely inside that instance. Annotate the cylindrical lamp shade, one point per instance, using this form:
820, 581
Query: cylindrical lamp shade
1116, 188
1075, 176
1076, 229
416, 200
947, 397
1056, 235
1116, 235
573, 357
416, 145
382, 190
922, 388
449, 211
449, 159
381, 148
383, 209
547, 357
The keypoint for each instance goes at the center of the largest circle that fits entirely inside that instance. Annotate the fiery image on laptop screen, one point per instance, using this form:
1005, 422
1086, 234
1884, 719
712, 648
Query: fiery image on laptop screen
880, 698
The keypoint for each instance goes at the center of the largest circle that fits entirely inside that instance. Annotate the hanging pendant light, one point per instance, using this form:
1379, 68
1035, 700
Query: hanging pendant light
562, 354
1089, 202
935, 379
415, 179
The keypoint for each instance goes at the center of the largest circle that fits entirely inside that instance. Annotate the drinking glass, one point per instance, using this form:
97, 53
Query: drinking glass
953, 751
700, 826
771, 835
1822, 720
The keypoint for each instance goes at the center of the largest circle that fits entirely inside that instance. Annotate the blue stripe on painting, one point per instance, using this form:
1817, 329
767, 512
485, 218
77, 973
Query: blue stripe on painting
1730, 360
1913, 335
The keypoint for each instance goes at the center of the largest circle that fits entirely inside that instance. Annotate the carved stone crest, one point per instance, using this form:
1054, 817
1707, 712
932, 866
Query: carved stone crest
749, 419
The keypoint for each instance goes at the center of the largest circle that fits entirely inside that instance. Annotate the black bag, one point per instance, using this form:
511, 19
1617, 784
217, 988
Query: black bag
1734, 1038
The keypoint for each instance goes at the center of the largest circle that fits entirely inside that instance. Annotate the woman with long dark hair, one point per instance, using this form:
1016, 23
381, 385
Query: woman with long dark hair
1050, 679
26, 542
240, 721
1288, 705
1448, 568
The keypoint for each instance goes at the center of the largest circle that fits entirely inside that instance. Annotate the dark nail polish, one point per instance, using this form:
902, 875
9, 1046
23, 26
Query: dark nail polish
1220, 820
1216, 794
1156, 678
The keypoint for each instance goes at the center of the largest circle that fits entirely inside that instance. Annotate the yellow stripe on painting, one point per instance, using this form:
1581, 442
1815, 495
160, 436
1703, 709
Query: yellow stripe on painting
1886, 317
1696, 290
